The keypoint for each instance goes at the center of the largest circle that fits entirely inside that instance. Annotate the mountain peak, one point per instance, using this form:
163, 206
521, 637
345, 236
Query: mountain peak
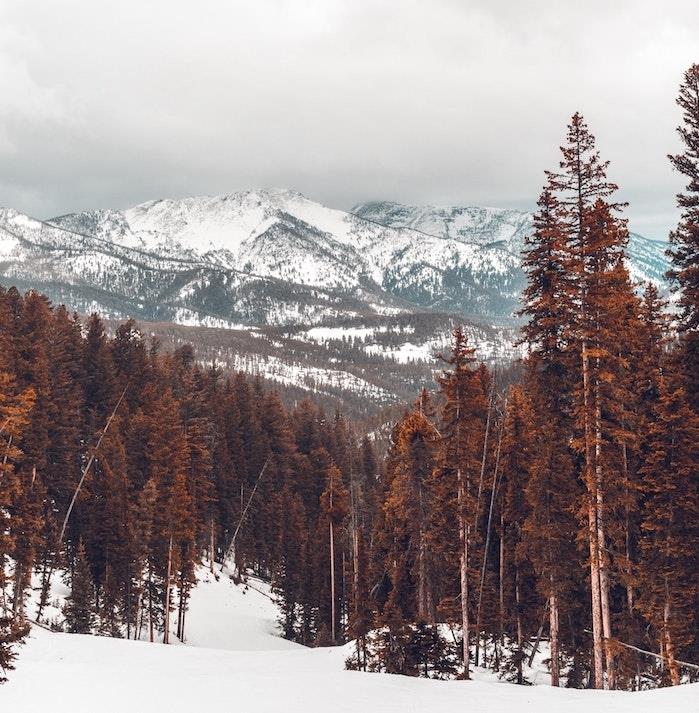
311, 262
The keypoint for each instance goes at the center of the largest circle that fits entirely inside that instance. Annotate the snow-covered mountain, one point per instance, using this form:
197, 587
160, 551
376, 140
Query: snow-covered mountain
274, 257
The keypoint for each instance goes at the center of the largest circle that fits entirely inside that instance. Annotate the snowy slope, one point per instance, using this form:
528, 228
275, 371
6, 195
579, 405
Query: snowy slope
274, 259
242, 617
234, 662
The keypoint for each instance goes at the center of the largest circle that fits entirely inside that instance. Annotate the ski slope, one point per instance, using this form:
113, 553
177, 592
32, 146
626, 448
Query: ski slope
233, 661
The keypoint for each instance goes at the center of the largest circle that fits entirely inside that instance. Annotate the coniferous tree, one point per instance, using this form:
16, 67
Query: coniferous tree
579, 220
515, 569
15, 409
335, 506
79, 611
670, 525
361, 618
685, 238
108, 612
462, 436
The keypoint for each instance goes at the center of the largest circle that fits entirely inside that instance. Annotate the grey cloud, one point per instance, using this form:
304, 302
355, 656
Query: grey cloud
108, 104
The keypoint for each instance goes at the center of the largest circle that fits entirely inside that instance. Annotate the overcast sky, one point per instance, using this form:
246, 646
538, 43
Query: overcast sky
111, 103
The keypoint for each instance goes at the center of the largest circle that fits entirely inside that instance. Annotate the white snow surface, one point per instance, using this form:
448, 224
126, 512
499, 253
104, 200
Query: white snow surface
233, 660
223, 615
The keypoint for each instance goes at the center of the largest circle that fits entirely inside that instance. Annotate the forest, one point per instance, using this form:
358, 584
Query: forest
553, 501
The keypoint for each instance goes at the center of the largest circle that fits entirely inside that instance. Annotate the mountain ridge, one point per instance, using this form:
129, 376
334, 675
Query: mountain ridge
276, 258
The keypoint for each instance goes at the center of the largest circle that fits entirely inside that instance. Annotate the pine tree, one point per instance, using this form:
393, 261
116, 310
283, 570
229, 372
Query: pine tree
182, 538
166, 456
25, 531
361, 619
462, 437
412, 501
597, 291
12, 632
79, 607
108, 621
670, 525
291, 568
516, 459
685, 238
140, 537
335, 506
15, 409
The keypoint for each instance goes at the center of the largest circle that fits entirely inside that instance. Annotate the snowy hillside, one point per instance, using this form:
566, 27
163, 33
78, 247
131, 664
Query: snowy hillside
234, 661
360, 365
298, 277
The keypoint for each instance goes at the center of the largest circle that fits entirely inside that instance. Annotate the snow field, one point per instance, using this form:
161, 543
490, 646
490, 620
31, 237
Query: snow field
233, 661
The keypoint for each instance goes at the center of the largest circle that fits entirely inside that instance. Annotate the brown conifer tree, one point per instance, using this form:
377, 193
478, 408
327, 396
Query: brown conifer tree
334, 503
685, 238
462, 437
593, 255
670, 525
15, 409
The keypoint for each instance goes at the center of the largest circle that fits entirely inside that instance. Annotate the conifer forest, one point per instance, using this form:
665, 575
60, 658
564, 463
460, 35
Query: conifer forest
545, 505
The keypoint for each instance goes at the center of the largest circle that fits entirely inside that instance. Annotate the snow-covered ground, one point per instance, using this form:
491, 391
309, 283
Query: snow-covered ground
233, 661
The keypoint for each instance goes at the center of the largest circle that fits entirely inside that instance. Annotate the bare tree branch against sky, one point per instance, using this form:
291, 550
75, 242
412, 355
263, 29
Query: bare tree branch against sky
109, 104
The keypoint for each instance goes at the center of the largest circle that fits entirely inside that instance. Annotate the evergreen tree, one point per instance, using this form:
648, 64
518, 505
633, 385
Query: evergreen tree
12, 632
15, 409
79, 607
462, 436
335, 506
291, 569
516, 458
670, 526
599, 292
685, 238
108, 621
361, 619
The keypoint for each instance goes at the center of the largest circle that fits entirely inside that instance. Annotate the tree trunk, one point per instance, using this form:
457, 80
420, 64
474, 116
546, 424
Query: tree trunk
553, 628
138, 624
179, 612
425, 603
590, 482
487, 538
502, 583
211, 546
463, 573
601, 540
464, 598
166, 613
332, 578
627, 529
45, 589
672, 666
150, 604
539, 632
18, 594
520, 635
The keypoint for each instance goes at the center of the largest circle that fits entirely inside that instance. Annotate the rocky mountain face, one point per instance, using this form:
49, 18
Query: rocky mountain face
277, 258
292, 272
